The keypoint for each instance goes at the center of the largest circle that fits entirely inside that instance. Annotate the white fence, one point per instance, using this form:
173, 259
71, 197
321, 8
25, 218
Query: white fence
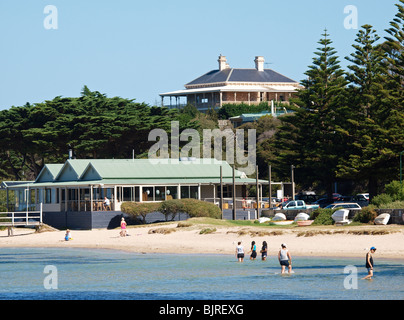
21, 218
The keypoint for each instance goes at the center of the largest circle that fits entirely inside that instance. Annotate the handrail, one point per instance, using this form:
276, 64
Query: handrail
21, 218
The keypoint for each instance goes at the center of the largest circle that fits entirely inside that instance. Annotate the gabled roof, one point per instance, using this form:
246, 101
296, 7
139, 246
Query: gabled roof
49, 172
86, 172
72, 169
240, 75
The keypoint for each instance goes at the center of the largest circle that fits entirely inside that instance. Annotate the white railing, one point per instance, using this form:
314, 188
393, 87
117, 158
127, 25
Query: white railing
21, 218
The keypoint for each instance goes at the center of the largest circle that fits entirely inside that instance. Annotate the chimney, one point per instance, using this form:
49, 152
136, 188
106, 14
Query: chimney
259, 63
223, 63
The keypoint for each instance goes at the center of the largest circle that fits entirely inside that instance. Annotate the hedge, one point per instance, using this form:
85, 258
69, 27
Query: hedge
170, 208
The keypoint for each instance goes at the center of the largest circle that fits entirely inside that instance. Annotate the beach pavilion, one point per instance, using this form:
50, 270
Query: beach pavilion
72, 194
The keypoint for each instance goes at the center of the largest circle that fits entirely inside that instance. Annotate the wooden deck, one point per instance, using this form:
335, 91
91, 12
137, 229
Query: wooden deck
20, 219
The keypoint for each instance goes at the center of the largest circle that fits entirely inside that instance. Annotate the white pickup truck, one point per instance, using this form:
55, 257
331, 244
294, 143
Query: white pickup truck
299, 205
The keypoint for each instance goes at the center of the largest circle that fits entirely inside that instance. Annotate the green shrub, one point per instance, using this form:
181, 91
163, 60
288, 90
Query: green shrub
193, 207
170, 208
198, 208
207, 230
366, 215
395, 190
381, 199
140, 209
392, 205
322, 216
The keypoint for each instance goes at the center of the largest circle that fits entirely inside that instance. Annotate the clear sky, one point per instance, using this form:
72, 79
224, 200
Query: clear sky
138, 49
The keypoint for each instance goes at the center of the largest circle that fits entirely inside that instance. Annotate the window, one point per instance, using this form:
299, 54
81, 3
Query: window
159, 194
227, 191
189, 192
172, 193
48, 195
148, 193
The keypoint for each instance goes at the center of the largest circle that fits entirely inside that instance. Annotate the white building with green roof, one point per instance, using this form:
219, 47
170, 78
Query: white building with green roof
80, 185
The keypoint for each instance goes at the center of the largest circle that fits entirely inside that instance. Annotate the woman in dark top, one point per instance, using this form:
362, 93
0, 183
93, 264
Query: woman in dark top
264, 250
369, 263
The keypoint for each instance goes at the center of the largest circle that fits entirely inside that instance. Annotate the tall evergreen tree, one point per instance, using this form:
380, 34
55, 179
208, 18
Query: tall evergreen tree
394, 47
364, 124
311, 139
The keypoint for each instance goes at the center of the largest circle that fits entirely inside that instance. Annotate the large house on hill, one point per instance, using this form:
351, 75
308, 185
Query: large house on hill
233, 85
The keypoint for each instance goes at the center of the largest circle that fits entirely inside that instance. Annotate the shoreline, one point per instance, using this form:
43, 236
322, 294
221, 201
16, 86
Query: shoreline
329, 241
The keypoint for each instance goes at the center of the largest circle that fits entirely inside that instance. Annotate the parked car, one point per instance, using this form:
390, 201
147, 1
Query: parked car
362, 197
322, 202
299, 205
344, 205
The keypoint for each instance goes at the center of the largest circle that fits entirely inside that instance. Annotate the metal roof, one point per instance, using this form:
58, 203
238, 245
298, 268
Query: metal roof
86, 172
240, 75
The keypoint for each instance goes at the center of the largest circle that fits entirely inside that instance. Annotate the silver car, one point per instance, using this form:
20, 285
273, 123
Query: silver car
344, 205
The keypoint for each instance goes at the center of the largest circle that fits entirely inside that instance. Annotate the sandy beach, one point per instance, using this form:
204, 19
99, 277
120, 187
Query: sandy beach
330, 241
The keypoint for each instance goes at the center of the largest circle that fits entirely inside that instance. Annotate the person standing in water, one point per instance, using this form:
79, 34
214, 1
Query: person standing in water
284, 258
253, 251
264, 251
369, 263
240, 252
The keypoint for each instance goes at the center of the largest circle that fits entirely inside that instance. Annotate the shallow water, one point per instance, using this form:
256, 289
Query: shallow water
116, 275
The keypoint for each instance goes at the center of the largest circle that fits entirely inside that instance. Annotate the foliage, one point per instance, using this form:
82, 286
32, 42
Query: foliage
140, 209
395, 190
348, 125
229, 110
311, 138
381, 199
366, 215
322, 216
198, 208
170, 208
93, 125
394, 194
192, 207
392, 205
207, 230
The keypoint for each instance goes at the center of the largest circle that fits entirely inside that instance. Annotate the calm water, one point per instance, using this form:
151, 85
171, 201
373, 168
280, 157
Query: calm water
115, 275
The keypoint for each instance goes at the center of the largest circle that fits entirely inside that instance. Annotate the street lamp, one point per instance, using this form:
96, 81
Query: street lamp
293, 181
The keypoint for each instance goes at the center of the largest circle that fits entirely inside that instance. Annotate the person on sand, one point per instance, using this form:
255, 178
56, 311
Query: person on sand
369, 263
67, 235
240, 252
264, 251
123, 227
284, 258
253, 251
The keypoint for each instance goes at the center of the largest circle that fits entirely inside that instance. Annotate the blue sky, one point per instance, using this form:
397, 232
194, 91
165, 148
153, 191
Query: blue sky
138, 49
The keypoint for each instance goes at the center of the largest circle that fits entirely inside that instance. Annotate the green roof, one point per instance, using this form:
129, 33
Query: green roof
85, 172
160, 169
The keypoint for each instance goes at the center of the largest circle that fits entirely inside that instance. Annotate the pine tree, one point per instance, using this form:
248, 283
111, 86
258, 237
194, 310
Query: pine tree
394, 114
364, 127
312, 138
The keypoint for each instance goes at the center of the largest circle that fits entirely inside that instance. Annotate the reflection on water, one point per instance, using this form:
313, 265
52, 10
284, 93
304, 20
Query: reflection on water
104, 274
